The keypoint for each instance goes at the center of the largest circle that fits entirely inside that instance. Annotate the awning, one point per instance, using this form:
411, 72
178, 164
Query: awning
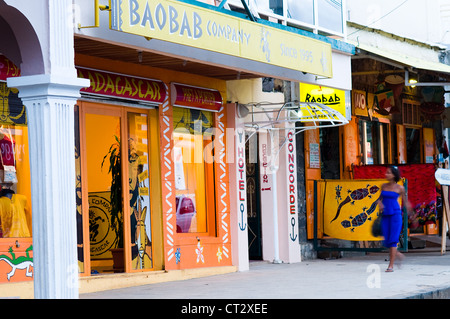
404, 59
275, 116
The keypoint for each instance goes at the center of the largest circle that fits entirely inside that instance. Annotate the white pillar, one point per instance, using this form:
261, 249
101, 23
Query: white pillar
238, 190
290, 250
50, 104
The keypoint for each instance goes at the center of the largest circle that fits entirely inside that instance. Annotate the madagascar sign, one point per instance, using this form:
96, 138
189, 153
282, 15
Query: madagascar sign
198, 27
195, 97
121, 86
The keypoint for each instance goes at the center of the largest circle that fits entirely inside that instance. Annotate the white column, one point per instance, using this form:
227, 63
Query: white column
290, 250
238, 190
50, 104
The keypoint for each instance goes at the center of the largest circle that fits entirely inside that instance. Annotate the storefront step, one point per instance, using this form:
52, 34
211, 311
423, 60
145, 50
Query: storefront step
19, 290
25, 290
116, 281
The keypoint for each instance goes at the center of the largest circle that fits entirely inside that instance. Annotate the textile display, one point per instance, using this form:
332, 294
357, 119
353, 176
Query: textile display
421, 187
13, 216
350, 208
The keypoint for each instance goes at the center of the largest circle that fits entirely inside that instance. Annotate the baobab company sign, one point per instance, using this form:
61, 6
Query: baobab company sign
207, 29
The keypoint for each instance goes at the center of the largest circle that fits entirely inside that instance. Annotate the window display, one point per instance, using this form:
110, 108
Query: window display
15, 193
194, 169
139, 180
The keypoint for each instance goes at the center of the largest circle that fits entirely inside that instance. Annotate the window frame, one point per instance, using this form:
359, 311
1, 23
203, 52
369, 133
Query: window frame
315, 27
211, 200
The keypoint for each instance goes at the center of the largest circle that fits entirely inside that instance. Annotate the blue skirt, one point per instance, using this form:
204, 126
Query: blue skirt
391, 226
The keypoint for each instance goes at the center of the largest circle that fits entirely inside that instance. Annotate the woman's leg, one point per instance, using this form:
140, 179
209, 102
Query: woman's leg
391, 231
392, 255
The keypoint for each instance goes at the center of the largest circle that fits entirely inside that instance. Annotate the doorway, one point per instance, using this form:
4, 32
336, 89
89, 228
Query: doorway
253, 199
116, 181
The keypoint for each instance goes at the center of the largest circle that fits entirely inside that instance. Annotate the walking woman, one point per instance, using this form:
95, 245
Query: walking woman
392, 221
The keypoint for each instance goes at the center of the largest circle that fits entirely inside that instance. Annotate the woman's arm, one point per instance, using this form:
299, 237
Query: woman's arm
405, 201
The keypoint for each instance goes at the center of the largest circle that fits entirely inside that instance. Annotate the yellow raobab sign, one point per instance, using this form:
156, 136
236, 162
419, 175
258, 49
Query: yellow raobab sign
206, 29
330, 97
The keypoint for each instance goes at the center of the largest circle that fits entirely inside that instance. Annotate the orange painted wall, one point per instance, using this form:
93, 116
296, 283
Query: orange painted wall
181, 250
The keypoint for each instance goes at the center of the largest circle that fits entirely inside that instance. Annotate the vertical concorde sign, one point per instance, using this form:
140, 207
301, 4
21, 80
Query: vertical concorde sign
198, 27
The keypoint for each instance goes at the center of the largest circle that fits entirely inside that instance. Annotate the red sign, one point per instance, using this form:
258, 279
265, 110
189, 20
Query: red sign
7, 69
122, 86
195, 97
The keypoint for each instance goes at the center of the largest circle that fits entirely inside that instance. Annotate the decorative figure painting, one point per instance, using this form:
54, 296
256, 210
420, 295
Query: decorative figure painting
350, 217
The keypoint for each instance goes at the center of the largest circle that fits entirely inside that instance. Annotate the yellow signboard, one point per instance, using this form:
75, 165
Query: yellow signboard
332, 98
198, 27
350, 208
363, 105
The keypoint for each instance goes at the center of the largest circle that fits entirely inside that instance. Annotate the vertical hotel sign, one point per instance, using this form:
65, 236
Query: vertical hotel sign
198, 27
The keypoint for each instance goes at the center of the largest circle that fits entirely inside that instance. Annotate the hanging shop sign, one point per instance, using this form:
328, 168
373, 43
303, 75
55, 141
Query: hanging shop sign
359, 102
194, 97
363, 104
332, 98
7, 69
198, 27
122, 86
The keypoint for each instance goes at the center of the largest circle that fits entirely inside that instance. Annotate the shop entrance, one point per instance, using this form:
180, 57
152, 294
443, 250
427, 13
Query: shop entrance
116, 189
253, 199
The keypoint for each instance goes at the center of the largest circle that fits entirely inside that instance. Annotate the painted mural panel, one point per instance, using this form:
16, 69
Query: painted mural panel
350, 207
16, 262
138, 167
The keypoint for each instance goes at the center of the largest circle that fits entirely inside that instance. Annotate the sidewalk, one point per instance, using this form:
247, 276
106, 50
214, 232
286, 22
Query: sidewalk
423, 274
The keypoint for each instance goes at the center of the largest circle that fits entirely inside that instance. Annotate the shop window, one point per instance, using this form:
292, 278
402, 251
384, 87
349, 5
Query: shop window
330, 15
301, 10
272, 85
410, 112
413, 145
273, 6
15, 194
194, 170
374, 142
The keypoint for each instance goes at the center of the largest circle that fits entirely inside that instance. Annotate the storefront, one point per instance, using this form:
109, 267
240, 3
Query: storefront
173, 220
154, 139
120, 119
394, 121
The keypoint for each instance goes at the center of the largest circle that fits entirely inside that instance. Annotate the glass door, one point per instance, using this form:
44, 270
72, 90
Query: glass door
103, 174
116, 183
139, 191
